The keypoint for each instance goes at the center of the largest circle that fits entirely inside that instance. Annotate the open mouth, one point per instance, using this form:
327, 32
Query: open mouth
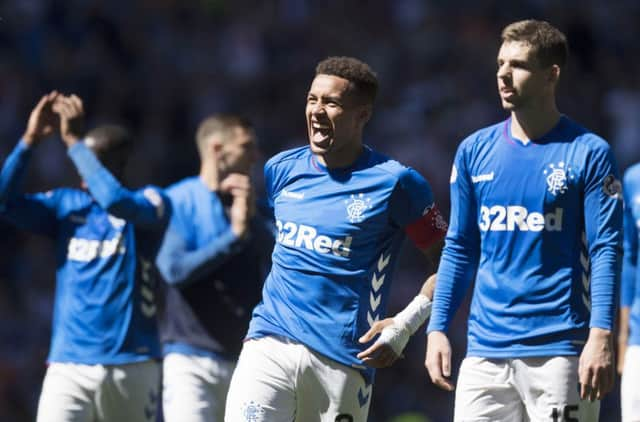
507, 92
321, 134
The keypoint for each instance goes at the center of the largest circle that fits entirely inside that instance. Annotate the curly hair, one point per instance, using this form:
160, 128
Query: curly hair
362, 77
548, 43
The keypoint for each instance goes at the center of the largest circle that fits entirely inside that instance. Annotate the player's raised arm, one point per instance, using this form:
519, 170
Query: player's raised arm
180, 265
101, 155
41, 124
29, 212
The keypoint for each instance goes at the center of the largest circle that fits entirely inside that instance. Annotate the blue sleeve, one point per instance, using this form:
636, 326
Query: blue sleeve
603, 228
459, 260
180, 265
148, 207
630, 244
268, 185
410, 199
36, 212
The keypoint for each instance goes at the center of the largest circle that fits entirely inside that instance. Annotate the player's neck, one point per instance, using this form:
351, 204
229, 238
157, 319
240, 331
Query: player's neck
343, 158
533, 123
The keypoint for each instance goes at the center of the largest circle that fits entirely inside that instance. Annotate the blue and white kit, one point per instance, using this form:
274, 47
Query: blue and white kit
212, 275
339, 235
104, 309
538, 226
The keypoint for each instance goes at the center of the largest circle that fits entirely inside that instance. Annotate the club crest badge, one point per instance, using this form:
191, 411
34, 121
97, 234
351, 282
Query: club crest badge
557, 177
356, 207
252, 412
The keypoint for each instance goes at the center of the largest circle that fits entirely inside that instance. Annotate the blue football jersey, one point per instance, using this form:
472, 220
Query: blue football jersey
630, 290
339, 234
211, 274
539, 227
104, 309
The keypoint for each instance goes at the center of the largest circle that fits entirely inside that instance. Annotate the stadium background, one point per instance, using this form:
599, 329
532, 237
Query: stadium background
159, 66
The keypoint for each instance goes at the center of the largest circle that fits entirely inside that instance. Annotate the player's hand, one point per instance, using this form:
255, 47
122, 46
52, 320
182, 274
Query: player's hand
243, 206
380, 354
438, 360
42, 121
71, 112
595, 368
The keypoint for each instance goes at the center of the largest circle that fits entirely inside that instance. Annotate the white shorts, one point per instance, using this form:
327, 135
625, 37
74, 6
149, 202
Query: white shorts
88, 393
278, 380
629, 390
527, 389
194, 388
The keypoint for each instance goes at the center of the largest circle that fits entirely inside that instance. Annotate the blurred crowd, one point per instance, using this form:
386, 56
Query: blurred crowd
160, 66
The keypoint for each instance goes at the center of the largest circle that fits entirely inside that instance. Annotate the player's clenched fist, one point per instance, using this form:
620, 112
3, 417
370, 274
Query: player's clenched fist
243, 201
438, 360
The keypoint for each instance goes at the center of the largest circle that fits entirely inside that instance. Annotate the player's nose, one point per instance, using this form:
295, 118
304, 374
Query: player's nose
503, 71
317, 109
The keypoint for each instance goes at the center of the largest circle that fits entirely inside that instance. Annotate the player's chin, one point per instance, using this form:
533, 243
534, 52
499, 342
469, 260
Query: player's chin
508, 105
320, 149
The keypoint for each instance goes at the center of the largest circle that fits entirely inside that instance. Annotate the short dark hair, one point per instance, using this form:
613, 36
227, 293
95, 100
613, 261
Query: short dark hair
362, 77
222, 124
112, 145
548, 42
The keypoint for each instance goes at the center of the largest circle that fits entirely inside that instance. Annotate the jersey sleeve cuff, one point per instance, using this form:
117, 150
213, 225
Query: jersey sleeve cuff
23, 146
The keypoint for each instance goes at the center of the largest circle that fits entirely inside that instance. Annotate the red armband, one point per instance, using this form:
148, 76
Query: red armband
428, 229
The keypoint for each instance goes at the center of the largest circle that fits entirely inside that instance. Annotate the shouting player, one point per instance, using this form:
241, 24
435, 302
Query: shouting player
536, 216
214, 258
104, 343
341, 210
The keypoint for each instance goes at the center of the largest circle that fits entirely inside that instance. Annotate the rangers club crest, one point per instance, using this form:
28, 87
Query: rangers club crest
356, 207
252, 412
557, 176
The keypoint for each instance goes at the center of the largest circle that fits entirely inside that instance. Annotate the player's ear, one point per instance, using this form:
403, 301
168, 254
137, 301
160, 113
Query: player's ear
215, 146
554, 73
365, 113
